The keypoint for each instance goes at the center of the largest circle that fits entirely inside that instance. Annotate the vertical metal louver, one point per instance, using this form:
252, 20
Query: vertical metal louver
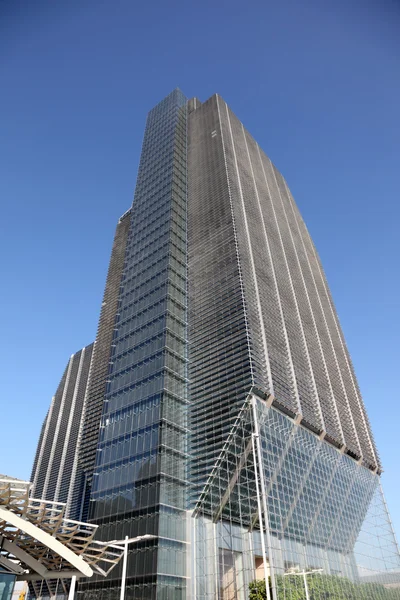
254, 275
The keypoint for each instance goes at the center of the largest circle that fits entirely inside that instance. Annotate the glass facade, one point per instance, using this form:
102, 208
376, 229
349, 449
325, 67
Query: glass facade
322, 513
140, 477
97, 385
7, 581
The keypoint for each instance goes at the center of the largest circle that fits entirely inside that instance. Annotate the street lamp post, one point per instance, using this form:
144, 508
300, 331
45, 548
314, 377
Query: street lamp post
124, 562
121, 544
125, 543
71, 594
304, 574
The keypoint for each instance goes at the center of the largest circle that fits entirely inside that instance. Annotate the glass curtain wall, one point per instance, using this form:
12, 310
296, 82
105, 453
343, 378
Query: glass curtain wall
139, 483
326, 531
7, 581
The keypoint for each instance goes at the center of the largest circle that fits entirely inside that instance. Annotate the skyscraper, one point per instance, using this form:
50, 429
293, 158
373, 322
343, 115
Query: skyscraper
97, 384
56, 460
223, 414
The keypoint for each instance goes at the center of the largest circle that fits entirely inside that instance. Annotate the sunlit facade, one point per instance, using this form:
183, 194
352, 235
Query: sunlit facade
55, 470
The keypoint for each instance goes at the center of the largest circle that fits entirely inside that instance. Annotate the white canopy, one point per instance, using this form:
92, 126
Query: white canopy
38, 542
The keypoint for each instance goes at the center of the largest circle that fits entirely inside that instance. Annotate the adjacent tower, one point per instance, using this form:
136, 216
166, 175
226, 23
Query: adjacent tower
97, 384
56, 461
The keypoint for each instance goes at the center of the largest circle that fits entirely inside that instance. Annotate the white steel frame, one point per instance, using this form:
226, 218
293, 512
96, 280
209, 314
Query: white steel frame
37, 541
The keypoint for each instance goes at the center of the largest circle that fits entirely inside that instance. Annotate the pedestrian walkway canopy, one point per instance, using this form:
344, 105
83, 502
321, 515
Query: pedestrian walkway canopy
38, 542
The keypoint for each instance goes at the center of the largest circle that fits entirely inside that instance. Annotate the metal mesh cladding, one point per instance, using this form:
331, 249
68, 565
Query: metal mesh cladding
221, 370
255, 277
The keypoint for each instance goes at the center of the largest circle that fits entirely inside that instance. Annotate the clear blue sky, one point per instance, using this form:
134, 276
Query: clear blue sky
318, 85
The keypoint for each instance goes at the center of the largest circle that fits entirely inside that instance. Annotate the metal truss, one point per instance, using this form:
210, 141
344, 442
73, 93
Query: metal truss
37, 542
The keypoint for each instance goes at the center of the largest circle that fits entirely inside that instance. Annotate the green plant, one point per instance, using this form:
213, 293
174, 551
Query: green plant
322, 587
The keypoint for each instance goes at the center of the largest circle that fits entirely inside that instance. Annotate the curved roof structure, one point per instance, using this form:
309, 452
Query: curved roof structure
38, 542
